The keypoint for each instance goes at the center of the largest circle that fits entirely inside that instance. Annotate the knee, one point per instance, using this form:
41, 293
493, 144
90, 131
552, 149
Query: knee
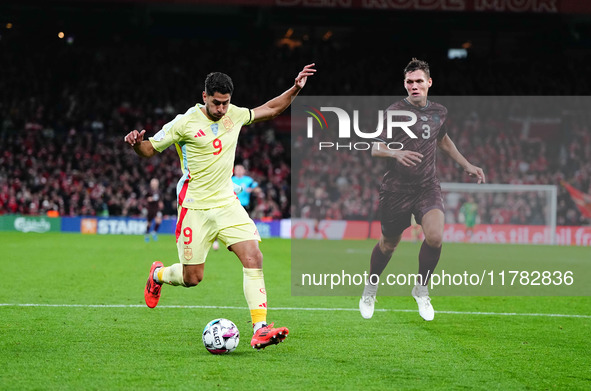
434, 240
192, 279
387, 247
254, 260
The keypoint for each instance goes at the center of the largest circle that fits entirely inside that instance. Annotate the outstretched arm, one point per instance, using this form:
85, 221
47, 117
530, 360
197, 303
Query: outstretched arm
448, 146
143, 148
275, 106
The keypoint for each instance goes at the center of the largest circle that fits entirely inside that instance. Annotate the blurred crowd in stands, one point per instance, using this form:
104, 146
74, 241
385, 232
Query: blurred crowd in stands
63, 118
65, 107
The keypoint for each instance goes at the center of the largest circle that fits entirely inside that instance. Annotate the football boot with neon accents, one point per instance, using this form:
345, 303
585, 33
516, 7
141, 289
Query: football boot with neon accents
267, 335
152, 290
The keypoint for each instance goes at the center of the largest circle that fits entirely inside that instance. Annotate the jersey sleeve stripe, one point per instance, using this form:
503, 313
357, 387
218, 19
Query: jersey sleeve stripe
250, 117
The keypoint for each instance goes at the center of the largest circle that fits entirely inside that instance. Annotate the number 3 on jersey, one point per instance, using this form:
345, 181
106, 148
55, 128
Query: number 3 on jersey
426, 131
217, 144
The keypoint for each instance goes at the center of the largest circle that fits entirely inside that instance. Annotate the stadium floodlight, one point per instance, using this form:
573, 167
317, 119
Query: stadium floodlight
510, 204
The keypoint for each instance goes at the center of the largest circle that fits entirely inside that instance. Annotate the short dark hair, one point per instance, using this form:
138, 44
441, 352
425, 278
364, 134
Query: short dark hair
416, 65
218, 82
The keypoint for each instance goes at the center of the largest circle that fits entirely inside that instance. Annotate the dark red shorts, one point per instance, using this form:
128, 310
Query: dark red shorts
395, 209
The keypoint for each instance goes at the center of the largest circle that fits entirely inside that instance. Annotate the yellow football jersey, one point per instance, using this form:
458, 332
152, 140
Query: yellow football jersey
206, 149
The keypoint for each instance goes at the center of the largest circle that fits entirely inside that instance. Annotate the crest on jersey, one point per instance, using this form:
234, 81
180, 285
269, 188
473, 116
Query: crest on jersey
214, 129
424, 118
228, 124
436, 117
188, 253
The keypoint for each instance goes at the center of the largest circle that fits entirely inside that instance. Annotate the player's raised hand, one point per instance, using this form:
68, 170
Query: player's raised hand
472, 170
300, 80
134, 137
408, 158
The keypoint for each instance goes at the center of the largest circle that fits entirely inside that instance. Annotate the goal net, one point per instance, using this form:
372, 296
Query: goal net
500, 213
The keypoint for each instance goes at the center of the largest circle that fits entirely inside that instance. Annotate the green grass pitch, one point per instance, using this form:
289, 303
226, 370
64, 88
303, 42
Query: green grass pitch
87, 327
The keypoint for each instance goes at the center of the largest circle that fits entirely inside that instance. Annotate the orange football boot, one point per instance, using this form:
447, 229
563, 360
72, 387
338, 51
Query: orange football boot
152, 290
267, 335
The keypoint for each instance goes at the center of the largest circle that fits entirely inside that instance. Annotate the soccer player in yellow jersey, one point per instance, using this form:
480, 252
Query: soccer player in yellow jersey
205, 138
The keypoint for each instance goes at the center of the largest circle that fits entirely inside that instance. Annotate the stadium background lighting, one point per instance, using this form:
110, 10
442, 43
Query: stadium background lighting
288, 41
60, 35
455, 53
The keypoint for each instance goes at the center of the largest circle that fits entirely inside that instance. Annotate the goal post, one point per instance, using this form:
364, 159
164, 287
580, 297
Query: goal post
505, 204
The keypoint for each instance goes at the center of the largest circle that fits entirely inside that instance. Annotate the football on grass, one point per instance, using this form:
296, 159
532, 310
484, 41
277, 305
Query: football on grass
220, 336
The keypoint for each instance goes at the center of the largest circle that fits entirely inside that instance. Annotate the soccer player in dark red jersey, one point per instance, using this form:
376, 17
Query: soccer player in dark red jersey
410, 186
